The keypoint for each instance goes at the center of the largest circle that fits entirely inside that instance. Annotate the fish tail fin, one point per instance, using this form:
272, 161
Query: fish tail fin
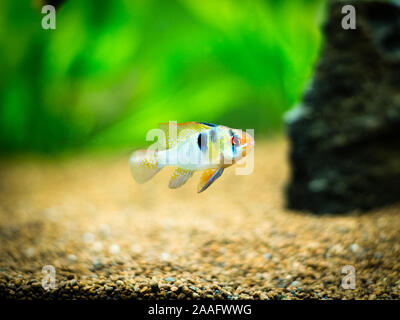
144, 165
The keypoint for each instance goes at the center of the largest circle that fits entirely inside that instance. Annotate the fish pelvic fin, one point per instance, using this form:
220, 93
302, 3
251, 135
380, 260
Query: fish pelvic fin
179, 178
208, 177
144, 165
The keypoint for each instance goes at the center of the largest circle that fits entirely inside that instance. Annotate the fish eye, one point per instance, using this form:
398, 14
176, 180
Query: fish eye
235, 140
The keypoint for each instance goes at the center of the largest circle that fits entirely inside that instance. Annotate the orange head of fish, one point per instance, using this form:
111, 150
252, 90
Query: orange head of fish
247, 143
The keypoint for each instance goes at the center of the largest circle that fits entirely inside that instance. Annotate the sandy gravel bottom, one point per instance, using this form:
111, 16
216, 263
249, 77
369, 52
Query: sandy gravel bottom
110, 238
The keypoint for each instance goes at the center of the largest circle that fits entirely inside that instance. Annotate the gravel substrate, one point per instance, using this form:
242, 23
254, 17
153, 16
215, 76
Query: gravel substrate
110, 238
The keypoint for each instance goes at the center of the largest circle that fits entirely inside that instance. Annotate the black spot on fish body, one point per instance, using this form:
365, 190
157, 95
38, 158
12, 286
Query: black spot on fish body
202, 141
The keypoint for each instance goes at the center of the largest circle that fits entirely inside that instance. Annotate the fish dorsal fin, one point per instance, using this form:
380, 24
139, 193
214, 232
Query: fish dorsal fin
183, 131
208, 177
179, 178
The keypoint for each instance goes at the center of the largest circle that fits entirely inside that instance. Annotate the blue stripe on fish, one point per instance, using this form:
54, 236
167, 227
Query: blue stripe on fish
208, 124
214, 177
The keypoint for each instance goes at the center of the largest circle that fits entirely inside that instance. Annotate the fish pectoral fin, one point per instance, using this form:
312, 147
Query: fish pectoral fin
208, 177
179, 178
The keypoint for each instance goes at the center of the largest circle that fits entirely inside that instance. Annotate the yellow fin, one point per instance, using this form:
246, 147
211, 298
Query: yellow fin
179, 178
208, 177
144, 165
183, 131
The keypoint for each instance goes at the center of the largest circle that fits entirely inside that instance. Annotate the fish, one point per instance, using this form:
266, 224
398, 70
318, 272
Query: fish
191, 147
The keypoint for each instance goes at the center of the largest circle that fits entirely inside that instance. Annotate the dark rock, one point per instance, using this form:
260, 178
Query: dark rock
345, 146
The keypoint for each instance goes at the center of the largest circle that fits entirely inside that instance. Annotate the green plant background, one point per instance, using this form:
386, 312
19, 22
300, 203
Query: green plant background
113, 69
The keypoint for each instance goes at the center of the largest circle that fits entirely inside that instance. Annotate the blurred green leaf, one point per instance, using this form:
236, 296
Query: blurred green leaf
112, 70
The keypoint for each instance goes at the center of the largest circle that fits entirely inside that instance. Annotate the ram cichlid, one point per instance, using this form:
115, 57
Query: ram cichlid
191, 146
